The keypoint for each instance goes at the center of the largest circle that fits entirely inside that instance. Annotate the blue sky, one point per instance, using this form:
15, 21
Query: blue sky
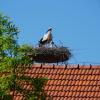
76, 23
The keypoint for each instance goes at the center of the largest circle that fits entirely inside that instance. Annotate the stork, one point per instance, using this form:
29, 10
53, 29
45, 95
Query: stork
47, 38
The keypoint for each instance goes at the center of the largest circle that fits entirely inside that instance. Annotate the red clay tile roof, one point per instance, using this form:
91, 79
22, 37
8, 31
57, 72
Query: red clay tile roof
68, 83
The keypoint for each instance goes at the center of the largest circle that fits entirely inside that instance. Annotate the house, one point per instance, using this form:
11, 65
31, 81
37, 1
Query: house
67, 82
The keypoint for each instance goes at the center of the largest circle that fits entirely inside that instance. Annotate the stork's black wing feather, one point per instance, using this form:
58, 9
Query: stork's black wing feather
42, 42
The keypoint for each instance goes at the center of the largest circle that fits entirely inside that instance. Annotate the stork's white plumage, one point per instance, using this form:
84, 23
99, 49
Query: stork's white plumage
47, 38
48, 35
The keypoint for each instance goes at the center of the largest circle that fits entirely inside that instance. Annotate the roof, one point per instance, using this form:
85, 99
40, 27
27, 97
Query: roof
70, 82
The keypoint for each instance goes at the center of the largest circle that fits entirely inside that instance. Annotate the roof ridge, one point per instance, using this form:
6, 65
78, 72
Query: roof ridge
67, 66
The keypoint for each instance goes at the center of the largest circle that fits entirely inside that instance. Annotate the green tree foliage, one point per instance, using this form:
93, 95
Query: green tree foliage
8, 50
23, 53
38, 84
13, 61
37, 89
8, 37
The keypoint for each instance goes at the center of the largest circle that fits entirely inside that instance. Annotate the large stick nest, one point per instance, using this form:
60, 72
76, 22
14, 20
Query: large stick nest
51, 55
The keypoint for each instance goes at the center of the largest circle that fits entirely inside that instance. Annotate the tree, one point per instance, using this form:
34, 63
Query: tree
13, 61
8, 50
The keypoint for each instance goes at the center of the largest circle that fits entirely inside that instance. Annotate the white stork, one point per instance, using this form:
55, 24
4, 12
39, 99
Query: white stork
47, 38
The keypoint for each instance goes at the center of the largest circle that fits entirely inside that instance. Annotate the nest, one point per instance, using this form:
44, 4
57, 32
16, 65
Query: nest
51, 55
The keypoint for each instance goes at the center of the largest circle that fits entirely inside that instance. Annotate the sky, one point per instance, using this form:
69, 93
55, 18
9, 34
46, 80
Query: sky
75, 23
